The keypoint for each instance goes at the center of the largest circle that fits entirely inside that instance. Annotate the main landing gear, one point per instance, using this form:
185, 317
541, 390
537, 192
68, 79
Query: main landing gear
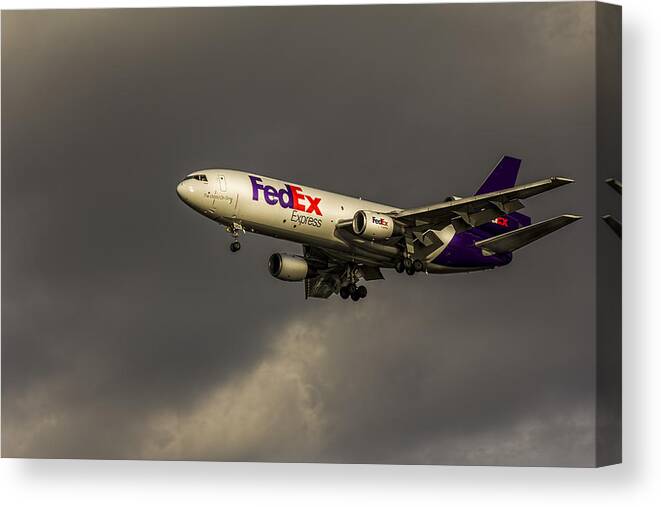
353, 291
410, 266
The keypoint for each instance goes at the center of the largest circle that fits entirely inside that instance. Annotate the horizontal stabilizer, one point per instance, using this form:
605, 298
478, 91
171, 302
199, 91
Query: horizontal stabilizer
518, 238
614, 224
615, 185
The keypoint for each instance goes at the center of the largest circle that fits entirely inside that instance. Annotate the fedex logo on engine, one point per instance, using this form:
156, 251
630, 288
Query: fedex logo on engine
380, 221
288, 197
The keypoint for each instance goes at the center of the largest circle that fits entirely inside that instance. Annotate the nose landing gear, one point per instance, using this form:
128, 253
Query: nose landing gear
234, 229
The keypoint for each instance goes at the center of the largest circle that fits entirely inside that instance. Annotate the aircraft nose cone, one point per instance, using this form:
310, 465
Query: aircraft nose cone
189, 193
186, 191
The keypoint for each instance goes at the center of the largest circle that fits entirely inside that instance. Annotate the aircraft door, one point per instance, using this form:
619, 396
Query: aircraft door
217, 192
225, 201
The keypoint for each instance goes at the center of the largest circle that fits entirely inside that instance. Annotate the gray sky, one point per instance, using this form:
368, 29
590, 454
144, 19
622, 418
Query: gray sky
130, 331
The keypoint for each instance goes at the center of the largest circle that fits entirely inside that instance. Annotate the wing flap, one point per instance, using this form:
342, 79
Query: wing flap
513, 240
371, 273
319, 287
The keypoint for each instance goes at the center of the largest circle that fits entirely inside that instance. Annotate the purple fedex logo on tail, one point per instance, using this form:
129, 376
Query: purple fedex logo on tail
289, 197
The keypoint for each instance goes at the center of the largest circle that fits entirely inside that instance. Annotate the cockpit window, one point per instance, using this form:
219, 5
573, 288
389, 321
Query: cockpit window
199, 177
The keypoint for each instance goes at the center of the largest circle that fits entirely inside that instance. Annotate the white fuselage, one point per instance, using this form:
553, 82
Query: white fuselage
232, 197
289, 211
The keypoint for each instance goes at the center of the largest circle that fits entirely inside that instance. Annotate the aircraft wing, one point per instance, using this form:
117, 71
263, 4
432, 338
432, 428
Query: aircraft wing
478, 209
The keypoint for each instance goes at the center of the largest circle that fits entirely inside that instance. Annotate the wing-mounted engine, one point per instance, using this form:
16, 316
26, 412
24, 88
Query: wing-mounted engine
375, 226
290, 268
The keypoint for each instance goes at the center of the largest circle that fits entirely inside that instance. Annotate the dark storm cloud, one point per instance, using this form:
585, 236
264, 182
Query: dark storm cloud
129, 330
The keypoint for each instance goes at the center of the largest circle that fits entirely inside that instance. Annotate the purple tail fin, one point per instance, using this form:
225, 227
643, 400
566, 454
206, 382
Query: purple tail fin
503, 176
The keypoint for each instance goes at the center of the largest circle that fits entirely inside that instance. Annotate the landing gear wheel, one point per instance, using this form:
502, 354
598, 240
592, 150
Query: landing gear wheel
361, 291
399, 266
418, 265
410, 270
344, 292
235, 246
408, 263
355, 296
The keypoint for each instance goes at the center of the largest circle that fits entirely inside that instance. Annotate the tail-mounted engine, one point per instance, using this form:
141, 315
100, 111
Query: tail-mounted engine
290, 268
371, 225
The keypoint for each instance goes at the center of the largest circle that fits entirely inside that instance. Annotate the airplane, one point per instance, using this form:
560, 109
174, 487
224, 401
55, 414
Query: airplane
346, 239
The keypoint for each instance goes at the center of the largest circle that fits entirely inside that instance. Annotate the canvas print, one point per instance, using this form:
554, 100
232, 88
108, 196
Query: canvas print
345, 234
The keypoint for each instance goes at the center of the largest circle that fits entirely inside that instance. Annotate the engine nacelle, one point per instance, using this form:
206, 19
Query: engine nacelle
371, 225
290, 268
